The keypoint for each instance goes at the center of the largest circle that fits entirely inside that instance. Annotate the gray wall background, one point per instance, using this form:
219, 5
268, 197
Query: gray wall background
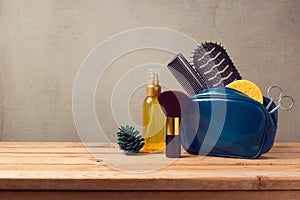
43, 43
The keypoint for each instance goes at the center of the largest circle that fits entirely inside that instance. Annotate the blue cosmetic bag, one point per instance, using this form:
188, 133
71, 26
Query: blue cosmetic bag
225, 122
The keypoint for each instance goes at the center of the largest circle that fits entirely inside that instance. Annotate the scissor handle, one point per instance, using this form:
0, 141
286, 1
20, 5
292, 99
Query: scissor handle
277, 88
282, 107
289, 107
270, 96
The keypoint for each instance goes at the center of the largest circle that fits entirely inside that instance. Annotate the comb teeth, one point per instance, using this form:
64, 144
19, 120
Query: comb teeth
214, 65
186, 75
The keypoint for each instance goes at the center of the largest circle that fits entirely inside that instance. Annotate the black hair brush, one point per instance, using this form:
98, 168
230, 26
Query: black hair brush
215, 66
212, 67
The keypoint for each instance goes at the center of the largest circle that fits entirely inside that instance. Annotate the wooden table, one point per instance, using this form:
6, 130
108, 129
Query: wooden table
68, 171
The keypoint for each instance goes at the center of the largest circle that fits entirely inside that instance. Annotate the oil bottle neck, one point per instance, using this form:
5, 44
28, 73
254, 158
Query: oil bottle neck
153, 90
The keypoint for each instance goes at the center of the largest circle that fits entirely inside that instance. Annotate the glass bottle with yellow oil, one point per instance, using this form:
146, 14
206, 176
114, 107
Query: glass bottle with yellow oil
153, 116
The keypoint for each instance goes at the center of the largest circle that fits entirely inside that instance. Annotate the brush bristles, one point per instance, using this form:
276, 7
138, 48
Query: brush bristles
215, 66
173, 103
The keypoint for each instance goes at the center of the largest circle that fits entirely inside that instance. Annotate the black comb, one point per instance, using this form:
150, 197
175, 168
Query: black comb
186, 75
214, 65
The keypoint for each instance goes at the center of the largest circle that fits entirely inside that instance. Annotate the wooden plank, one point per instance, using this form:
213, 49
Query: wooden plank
49, 150
43, 169
107, 154
106, 181
47, 168
286, 145
40, 144
79, 171
59, 166
96, 167
20, 159
284, 150
171, 172
80, 148
150, 195
141, 162
79, 144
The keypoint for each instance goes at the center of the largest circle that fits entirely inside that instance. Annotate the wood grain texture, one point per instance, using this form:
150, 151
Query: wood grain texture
150, 195
69, 166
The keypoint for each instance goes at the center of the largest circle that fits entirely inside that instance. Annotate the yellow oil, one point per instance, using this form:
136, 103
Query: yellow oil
153, 125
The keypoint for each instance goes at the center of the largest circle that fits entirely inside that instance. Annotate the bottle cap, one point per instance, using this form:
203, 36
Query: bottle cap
153, 88
153, 75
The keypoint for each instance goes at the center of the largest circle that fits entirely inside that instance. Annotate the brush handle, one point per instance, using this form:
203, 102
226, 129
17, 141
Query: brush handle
173, 146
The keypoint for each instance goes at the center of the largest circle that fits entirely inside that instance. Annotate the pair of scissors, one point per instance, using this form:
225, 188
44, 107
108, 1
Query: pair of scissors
279, 99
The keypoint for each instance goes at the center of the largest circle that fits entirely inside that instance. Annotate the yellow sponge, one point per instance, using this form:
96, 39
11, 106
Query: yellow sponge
248, 88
